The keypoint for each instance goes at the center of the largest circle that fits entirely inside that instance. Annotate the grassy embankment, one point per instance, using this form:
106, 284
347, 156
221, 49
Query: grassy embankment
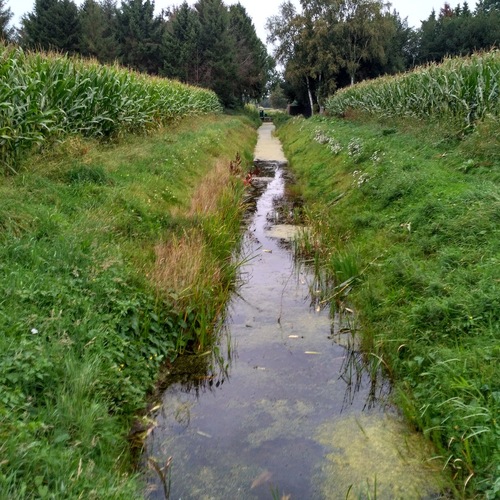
114, 257
406, 222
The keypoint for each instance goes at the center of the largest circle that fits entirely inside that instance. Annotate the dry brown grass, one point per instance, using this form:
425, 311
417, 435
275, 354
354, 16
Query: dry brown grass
179, 262
204, 199
183, 264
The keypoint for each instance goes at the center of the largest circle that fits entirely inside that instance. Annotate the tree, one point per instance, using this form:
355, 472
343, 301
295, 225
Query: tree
459, 34
218, 48
334, 40
278, 98
251, 58
53, 25
288, 34
363, 28
99, 26
446, 11
429, 46
6, 32
140, 36
487, 6
217, 69
180, 48
283, 32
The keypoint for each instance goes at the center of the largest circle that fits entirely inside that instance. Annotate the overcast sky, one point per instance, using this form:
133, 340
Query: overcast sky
260, 10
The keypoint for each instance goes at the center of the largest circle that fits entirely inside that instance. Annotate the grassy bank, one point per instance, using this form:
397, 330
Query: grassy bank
113, 259
406, 224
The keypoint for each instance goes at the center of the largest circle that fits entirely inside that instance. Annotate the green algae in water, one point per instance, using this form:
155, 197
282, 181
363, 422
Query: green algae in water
286, 420
377, 456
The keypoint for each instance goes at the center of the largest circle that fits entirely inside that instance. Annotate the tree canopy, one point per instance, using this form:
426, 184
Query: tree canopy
329, 44
459, 31
6, 31
53, 25
207, 44
139, 34
99, 30
331, 41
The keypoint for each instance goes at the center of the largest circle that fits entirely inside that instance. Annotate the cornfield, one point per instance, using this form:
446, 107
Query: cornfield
461, 89
45, 96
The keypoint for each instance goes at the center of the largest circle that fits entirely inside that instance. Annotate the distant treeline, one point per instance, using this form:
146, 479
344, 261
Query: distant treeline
326, 45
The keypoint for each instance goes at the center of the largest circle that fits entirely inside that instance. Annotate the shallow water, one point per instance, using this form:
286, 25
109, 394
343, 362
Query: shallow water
293, 412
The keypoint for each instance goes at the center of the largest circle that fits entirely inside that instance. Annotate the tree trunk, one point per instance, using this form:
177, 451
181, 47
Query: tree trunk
309, 93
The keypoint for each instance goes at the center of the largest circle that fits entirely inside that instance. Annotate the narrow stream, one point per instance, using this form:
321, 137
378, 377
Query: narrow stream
291, 413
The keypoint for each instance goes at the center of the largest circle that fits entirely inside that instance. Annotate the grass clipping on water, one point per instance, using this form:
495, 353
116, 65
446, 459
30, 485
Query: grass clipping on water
405, 220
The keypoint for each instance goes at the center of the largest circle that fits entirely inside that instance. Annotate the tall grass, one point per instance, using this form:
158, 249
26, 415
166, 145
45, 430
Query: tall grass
462, 89
47, 96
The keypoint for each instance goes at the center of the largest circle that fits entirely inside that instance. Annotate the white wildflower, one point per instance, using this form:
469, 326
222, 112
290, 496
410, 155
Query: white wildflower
375, 157
355, 147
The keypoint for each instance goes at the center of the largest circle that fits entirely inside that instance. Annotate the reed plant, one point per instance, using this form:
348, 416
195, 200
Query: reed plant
464, 90
46, 96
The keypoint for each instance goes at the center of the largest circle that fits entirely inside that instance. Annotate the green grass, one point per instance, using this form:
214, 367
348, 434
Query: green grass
85, 327
408, 216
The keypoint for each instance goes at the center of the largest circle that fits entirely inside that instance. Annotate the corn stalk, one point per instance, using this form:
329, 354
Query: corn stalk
48, 96
465, 90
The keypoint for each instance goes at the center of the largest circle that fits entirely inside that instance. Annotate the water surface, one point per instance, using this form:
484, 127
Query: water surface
294, 414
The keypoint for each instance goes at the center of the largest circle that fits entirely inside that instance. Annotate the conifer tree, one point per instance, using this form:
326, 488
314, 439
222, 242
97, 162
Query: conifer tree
217, 70
459, 32
53, 25
180, 45
252, 60
140, 36
98, 22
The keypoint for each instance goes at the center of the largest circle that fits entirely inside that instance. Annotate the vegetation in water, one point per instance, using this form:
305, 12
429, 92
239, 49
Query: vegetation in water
113, 259
405, 221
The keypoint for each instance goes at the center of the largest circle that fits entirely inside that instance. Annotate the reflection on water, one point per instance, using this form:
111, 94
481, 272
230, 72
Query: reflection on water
277, 419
